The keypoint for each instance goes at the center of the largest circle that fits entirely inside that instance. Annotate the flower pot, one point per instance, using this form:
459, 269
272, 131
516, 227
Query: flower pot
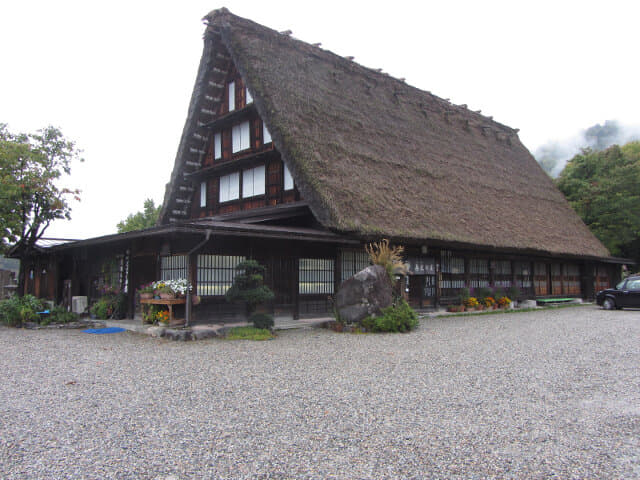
146, 296
167, 296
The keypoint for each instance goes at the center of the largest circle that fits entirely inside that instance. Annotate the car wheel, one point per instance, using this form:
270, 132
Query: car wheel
608, 304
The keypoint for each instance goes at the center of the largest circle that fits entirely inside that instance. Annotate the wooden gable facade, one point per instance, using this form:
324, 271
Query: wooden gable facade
279, 169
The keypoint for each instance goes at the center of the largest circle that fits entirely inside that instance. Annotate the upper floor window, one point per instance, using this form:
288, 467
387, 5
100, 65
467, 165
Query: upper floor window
240, 137
230, 187
203, 194
266, 136
247, 96
288, 179
217, 146
253, 182
232, 96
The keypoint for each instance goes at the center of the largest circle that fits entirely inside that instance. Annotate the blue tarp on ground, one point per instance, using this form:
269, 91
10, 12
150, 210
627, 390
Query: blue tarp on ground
104, 330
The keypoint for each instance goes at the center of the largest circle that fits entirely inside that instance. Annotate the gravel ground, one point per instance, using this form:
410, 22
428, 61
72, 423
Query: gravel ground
552, 394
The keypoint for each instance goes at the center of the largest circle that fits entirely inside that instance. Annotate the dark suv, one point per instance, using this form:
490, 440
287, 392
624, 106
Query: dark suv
625, 294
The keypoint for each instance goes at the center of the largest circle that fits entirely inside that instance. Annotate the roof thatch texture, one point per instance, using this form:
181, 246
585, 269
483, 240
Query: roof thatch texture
375, 156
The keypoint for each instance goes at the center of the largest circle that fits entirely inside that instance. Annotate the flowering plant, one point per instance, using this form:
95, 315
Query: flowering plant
179, 286
471, 302
504, 301
163, 316
489, 301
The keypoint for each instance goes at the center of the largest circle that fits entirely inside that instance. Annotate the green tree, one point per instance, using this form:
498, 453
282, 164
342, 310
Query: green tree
31, 166
603, 187
139, 220
248, 286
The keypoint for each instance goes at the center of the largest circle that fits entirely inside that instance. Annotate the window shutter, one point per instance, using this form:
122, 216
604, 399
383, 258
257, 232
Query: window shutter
203, 194
258, 180
253, 182
266, 136
217, 146
288, 179
232, 96
230, 187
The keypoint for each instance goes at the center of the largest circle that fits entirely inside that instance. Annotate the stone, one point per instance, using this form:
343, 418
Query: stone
364, 294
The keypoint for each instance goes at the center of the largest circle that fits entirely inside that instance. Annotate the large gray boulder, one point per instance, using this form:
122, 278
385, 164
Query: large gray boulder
364, 294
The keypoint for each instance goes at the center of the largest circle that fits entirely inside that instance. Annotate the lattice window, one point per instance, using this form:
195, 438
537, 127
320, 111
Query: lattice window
479, 270
352, 262
173, 267
502, 273
316, 275
216, 273
540, 279
523, 275
452, 269
556, 279
572, 279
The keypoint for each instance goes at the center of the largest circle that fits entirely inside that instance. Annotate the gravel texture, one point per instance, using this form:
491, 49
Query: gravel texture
552, 394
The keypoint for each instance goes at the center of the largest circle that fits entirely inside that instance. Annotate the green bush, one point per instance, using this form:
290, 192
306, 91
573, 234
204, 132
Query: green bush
261, 320
16, 310
59, 314
395, 318
110, 306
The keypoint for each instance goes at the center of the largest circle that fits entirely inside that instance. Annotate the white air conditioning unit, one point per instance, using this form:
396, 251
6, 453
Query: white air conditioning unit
79, 304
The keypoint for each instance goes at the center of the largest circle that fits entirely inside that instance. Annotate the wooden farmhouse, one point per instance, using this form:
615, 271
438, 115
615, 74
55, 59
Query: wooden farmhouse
298, 157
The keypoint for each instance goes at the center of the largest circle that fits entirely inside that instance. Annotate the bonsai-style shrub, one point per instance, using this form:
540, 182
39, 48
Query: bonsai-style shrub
248, 287
16, 310
395, 318
380, 253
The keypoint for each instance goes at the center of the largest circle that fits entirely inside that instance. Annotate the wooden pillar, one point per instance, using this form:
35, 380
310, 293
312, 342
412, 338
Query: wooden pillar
296, 288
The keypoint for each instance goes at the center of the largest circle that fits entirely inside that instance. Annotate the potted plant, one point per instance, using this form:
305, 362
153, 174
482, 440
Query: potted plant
504, 302
146, 291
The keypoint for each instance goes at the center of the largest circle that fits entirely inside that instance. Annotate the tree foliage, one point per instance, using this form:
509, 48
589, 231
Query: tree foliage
31, 166
139, 220
248, 286
603, 187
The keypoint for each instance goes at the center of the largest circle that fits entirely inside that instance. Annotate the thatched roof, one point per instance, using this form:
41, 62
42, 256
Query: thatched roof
377, 157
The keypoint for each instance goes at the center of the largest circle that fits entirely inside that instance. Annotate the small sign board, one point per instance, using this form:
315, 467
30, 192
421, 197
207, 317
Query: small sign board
422, 265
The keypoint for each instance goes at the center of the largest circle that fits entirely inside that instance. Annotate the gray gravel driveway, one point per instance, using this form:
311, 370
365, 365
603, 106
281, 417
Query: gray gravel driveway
552, 394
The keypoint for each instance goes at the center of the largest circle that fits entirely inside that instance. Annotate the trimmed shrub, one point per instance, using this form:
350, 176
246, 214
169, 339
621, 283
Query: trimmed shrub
16, 310
395, 318
261, 320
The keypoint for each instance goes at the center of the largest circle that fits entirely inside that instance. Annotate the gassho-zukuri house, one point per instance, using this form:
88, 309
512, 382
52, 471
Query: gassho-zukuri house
297, 157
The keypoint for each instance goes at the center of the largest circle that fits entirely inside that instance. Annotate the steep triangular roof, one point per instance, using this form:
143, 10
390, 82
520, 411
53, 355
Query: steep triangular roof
377, 157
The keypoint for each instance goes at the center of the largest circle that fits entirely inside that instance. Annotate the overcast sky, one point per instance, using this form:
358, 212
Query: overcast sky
117, 76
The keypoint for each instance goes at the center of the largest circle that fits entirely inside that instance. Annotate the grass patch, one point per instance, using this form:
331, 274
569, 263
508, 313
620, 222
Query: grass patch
516, 310
249, 333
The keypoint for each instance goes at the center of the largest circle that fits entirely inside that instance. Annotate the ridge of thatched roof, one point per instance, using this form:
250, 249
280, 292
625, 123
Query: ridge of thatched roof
377, 157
